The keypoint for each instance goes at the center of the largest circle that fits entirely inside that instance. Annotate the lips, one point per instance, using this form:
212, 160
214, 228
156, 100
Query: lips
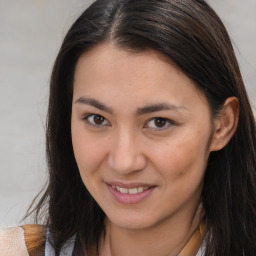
131, 193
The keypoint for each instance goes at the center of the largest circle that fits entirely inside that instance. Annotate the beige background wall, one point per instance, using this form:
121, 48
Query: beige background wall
30, 35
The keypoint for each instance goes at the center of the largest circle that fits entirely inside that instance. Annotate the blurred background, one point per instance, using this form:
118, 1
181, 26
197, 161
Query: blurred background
31, 32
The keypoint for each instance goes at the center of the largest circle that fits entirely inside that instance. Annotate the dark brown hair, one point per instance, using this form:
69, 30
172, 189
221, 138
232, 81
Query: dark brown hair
191, 35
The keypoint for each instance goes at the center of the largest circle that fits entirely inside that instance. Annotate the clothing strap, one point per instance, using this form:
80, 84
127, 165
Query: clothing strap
194, 246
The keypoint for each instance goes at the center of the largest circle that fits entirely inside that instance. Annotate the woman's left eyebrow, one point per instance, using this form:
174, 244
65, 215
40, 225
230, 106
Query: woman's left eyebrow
159, 107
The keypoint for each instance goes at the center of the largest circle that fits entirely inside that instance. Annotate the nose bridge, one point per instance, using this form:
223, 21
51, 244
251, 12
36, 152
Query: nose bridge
125, 154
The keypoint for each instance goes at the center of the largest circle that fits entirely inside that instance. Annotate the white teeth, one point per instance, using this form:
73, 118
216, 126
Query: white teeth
140, 189
124, 190
130, 191
133, 191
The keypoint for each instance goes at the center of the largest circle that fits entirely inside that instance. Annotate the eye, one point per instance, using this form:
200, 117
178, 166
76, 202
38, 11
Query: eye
96, 120
159, 123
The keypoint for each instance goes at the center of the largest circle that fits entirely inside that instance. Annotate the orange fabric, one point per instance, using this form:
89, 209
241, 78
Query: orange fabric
35, 238
195, 242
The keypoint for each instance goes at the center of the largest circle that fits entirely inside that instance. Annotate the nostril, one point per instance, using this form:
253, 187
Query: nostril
126, 163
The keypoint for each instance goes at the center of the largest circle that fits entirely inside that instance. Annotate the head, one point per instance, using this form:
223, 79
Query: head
189, 38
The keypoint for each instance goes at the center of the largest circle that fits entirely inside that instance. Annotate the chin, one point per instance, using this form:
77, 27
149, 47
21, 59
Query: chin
131, 225
132, 221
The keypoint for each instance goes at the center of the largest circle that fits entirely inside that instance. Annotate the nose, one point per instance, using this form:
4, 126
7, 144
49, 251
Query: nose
126, 155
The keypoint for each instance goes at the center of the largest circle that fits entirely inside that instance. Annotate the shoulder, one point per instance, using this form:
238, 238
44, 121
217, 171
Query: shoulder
12, 242
28, 240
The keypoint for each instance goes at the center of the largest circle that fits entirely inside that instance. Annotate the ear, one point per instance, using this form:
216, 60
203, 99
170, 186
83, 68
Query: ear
225, 124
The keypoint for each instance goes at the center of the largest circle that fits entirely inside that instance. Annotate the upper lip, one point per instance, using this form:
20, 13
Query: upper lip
129, 184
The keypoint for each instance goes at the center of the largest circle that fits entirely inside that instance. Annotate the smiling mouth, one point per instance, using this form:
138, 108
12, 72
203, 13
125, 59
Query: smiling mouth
131, 191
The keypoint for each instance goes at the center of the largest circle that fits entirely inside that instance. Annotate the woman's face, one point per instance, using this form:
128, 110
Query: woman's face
141, 135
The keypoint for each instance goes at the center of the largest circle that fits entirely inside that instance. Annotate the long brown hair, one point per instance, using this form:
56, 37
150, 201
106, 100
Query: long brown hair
191, 35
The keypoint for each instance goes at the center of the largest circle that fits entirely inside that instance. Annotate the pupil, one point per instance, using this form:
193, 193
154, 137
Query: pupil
98, 119
160, 122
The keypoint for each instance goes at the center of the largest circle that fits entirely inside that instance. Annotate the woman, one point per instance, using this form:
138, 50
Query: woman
150, 137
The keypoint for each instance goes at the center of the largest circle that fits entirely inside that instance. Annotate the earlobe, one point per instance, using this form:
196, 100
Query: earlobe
225, 124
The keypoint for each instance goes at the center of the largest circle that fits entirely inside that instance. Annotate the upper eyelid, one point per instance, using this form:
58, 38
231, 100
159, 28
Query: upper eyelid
159, 117
91, 114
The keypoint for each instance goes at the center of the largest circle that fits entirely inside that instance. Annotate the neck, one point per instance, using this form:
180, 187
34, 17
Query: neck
166, 238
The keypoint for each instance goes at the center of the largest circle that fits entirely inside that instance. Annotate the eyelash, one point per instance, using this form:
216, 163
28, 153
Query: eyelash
167, 121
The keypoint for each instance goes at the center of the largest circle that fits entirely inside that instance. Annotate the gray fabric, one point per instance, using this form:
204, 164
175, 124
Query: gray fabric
201, 251
67, 250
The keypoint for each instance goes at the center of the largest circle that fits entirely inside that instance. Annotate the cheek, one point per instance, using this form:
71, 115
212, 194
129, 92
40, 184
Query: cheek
183, 158
88, 155
88, 152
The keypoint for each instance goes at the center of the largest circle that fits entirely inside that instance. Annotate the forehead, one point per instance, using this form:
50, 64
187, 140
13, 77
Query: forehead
108, 71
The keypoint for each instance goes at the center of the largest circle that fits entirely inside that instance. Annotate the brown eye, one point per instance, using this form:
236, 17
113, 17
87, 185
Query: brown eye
160, 122
96, 120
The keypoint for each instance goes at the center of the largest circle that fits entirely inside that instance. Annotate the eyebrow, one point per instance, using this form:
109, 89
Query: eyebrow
158, 107
141, 111
94, 103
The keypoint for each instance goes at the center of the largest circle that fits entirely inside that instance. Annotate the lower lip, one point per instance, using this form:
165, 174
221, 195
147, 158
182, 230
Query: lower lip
130, 198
